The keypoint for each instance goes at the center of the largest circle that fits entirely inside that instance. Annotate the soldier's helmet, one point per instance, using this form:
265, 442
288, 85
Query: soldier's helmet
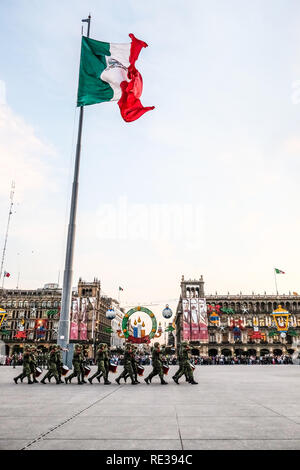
156, 345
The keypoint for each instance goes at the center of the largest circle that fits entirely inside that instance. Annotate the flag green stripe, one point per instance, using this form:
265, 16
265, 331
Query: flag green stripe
91, 89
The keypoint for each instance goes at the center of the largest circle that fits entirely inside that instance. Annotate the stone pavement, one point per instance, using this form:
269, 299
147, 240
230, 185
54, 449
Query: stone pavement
233, 407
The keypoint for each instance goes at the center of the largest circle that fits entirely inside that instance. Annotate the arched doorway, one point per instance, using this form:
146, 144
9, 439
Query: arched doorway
277, 352
291, 351
213, 352
263, 352
251, 352
238, 352
195, 352
226, 352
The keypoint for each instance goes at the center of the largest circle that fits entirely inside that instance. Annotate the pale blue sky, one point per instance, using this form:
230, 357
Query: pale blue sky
224, 139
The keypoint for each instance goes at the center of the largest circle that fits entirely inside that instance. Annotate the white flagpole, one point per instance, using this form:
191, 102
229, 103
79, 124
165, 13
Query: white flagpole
64, 322
275, 281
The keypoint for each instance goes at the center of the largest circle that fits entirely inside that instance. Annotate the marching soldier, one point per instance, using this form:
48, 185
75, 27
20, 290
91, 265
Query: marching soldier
26, 366
127, 365
185, 365
83, 361
52, 366
76, 365
180, 362
33, 363
106, 363
101, 359
157, 364
134, 365
59, 364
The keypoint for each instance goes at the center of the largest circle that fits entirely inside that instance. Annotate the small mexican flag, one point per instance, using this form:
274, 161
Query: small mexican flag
278, 271
121, 288
107, 73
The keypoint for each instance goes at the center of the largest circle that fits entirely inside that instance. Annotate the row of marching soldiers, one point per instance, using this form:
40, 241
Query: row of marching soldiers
80, 368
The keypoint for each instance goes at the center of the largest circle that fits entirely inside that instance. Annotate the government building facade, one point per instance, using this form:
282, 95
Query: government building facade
32, 316
235, 325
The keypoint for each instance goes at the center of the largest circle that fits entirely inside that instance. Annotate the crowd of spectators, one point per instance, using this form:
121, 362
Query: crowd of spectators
145, 359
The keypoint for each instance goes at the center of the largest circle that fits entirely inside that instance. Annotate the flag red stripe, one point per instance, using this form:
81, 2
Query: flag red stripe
130, 105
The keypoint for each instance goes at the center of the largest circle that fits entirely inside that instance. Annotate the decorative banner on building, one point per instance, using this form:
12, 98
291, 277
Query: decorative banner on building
74, 319
195, 320
21, 333
83, 319
3, 315
186, 334
41, 328
203, 320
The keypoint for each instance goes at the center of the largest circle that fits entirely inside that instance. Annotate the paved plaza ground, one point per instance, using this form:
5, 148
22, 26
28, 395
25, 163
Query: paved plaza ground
233, 407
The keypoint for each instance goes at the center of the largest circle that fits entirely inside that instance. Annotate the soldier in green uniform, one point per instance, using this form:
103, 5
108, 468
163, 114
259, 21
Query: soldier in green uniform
76, 365
185, 365
33, 363
26, 366
134, 365
106, 363
127, 365
180, 362
157, 364
52, 365
101, 359
59, 364
83, 362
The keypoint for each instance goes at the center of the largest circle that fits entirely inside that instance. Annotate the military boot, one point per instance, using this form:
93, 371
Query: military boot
175, 379
90, 380
193, 382
118, 380
98, 378
147, 380
163, 382
107, 382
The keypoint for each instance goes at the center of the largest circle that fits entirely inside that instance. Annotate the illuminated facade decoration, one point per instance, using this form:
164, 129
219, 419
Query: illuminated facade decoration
32, 316
240, 324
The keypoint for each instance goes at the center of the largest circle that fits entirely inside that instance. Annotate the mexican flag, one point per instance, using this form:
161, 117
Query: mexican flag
278, 271
108, 73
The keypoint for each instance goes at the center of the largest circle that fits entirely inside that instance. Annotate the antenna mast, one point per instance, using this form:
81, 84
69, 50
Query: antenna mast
12, 192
